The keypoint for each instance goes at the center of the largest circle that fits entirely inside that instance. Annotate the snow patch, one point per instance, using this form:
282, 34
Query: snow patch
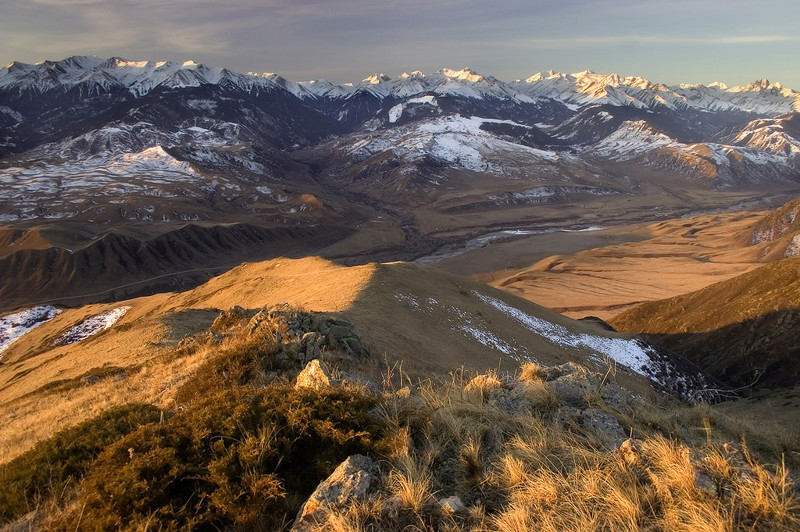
459, 320
630, 353
92, 326
13, 326
793, 249
395, 113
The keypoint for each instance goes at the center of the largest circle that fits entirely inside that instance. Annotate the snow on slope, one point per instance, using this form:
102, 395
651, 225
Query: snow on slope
397, 111
634, 354
766, 149
138, 77
588, 88
13, 326
473, 326
576, 90
454, 140
769, 136
630, 139
91, 326
69, 187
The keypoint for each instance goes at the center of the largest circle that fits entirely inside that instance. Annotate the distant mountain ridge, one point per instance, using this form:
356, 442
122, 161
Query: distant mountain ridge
198, 136
581, 88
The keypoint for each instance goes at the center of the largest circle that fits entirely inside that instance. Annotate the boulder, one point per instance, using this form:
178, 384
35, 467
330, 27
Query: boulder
630, 452
605, 426
452, 505
310, 345
571, 390
353, 481
511, 402
315, 375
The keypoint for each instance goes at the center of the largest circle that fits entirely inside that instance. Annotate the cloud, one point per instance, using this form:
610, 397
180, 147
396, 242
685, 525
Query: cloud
612, 40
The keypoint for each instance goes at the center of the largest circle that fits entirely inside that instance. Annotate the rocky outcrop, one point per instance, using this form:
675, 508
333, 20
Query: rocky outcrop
310, 336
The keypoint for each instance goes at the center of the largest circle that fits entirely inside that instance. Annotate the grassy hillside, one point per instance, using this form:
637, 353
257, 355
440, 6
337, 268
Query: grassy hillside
741, 329
539, 448
427, 320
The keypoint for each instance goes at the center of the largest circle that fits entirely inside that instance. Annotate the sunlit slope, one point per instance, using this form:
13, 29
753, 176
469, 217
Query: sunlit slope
423, 320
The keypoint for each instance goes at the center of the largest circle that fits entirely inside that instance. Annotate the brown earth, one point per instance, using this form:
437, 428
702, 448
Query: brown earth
659, 260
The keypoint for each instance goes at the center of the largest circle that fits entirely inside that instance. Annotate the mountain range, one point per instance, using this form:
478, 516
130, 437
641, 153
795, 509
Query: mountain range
95, 151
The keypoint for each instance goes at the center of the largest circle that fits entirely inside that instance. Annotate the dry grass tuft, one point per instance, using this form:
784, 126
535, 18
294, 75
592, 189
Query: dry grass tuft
531, 372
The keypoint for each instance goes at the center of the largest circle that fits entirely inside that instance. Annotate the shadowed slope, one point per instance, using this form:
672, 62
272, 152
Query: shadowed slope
736, 328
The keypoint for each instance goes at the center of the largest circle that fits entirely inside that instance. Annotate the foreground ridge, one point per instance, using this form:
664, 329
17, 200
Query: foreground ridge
250, 437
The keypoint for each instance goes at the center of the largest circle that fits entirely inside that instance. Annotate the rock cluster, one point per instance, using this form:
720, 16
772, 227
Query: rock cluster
311, 336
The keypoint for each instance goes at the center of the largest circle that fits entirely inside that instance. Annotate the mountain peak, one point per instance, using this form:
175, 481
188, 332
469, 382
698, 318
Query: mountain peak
465, 74
584, 74
415, 74
376, 78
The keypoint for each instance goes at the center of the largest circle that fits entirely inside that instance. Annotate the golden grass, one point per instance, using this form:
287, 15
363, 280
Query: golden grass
36, 417
514, 469
526, 471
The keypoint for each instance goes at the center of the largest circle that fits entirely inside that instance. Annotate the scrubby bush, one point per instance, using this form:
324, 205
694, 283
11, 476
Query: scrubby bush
51, 465
242, 456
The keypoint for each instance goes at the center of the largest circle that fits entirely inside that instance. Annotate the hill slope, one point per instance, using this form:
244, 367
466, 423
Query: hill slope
425, 320
737, 329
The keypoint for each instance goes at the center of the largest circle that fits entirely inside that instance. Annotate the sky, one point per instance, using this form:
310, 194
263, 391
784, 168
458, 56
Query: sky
666, 41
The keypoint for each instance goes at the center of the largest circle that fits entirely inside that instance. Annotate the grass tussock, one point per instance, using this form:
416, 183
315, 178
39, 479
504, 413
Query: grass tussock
520, 469
242, 457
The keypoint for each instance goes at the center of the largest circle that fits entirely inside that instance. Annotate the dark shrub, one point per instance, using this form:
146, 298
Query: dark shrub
48, 467
240, 457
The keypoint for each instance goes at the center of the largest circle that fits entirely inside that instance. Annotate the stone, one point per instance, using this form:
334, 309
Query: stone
390, 508
704, 481
567, 416
555, 372
90, 379
630, 452
611, 396
340, 332
605, 426
353, 481
315, 376
492, 443
571, 391
452, 505
310, 345
509, 401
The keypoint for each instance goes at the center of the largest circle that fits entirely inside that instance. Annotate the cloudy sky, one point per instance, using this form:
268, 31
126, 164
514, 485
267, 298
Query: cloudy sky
669, 41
